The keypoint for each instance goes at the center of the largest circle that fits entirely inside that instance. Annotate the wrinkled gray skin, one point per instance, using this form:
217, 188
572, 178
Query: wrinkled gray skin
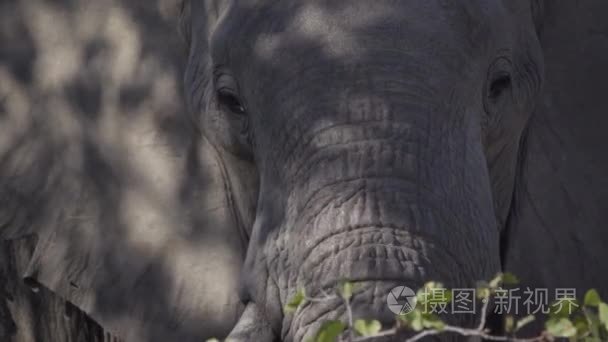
384, 136
387, 138
386, 142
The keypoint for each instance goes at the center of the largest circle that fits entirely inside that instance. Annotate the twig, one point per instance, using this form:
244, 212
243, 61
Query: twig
422, 334
484, 311
383, 333
454, 329
349, 315
480, 331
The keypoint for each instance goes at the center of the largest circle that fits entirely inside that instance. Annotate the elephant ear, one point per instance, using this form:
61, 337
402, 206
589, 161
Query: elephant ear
559, 219
150, 241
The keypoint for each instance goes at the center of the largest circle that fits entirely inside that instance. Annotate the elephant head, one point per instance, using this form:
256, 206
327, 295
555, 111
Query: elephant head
384, 142
375, 142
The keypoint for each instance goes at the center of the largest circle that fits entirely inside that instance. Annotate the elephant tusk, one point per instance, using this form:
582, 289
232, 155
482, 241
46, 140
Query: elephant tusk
252, 326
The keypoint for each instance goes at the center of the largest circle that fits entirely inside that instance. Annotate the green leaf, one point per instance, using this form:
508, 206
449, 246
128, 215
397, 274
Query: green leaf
581, 325
524, 321
603, 314
432, 321
509, 279
433, 285
416, 324
483, 290
503, 278
593, 323
367, 328
494, 283
346, 290
443, 296
592, 298
560, 327
212, 340
567, 307
412, 319
592, 339
294, 303
433, 292
329, 331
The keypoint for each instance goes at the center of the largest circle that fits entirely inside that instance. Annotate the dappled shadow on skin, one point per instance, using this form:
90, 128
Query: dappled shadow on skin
347, 59
99, 159
94, 159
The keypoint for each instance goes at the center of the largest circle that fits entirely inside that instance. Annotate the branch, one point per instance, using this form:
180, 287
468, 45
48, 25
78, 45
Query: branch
480, 331
484, 311
349, 314
454, 329
388, 332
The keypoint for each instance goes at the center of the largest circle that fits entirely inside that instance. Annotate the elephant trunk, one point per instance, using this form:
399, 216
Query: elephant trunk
384, 201
382, 237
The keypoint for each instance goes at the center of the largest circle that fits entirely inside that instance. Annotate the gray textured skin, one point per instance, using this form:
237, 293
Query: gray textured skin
558, 232
38, 315
384, 158
370, 150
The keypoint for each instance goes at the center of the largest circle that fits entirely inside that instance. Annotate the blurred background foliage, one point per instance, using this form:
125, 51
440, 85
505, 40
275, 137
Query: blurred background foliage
93, 133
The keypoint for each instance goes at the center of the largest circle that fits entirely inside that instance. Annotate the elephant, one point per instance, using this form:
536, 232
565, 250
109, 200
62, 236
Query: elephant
387, 143
396, 142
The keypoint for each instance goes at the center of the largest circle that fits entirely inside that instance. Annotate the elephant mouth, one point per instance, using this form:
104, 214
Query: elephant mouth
370, 297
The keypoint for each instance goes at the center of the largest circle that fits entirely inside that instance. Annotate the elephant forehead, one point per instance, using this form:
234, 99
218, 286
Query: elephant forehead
349, 27
314, 24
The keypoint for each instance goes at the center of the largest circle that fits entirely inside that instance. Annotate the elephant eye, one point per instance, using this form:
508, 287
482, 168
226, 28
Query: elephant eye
499, 85
231, 101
